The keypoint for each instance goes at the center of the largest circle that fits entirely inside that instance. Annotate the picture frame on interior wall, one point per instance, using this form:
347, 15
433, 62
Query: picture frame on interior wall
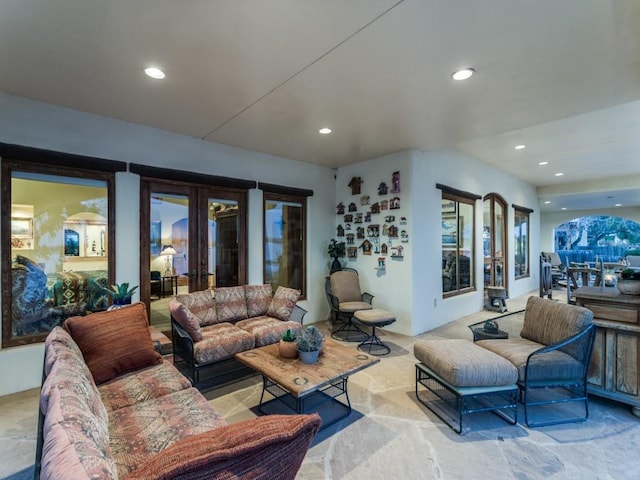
448, 206
155, 240
449, 231
21, 227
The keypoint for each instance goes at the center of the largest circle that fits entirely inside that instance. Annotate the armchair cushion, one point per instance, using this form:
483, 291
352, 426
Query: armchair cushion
345, 285
554, 365
186, 319
231, 304
202, 305
100, 338
350, 307
548, 322
258, 299
283, 302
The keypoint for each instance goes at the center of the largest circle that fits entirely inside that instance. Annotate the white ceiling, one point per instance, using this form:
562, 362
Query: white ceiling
561, 77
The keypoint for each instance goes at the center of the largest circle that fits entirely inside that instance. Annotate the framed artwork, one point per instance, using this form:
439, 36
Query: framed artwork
155, 241
21, 227
448, 206
449, 230
71, 243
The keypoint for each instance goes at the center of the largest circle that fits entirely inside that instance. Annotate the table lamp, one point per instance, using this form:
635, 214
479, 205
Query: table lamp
168, 251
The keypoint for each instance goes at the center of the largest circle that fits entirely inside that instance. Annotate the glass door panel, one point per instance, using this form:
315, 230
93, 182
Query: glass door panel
223, 228
494, 241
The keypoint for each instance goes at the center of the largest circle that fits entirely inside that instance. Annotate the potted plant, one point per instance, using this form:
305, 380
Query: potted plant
309, 343
629, 282
287, 345
121, 293
336, 250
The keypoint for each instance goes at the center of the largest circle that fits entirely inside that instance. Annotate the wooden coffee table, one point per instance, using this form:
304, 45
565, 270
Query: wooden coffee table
297, 387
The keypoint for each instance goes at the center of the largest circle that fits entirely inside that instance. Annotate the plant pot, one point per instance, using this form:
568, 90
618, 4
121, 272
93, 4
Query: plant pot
309, 357
122, 301
335, 265
287, 349
629, 286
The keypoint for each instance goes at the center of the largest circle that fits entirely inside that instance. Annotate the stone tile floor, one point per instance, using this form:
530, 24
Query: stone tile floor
391, 435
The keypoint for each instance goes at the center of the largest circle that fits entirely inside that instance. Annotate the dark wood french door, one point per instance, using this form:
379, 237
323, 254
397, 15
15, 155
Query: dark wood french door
192, 237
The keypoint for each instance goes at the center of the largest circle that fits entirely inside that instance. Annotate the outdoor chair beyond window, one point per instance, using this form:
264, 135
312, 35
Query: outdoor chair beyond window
345, 298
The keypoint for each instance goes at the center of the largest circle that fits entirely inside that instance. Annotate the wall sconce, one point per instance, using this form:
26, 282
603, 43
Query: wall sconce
168, 251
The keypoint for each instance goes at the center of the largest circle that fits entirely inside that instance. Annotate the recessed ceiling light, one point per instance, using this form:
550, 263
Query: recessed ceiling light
325, 131
563, 208
154, 72
547, 202
520, 147
543, 163
618, 204
559, 174
463, 74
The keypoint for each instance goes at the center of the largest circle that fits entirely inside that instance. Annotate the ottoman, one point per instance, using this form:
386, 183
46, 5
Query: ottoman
460, 378
374, 318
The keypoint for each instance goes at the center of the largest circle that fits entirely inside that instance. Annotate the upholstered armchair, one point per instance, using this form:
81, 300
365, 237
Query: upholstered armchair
345, 298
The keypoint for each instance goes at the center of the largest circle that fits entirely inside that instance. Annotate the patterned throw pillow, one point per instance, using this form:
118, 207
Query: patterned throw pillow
202, 305
186, 319
283, 302
114, 342
258, 299
231, 304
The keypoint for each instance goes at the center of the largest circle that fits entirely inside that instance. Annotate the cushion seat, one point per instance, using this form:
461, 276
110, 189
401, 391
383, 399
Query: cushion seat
555, 365
267, 330
464, 364
351, 307
222, 341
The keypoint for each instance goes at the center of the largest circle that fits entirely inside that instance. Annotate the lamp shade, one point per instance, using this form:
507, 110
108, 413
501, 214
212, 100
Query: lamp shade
168, 250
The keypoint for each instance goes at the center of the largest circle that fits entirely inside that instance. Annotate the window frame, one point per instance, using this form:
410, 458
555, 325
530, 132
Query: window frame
271, 196
519, 212
55, 164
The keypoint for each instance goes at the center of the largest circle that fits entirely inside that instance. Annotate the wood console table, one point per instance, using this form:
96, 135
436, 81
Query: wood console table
614, 371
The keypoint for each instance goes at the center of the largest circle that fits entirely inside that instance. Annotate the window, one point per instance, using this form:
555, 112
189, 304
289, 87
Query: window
521, 237
458, 239
284, 241
60, 244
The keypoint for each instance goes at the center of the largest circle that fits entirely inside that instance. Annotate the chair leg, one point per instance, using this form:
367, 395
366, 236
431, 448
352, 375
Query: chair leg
349, 332
373, 344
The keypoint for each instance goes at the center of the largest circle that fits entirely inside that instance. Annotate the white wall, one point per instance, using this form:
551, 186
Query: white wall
412, 287
33, 124
390, 287
549, 221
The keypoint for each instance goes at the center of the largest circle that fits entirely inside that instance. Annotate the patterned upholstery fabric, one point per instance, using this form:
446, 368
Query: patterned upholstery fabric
264, 448
142, 385
139, 431
202, 305
231, 304
465, 364
66, 288
547, 322
345, 285
222, 341
114, 342
76, 442
555, 365
258, 299
267, 330
187, 320
283, 302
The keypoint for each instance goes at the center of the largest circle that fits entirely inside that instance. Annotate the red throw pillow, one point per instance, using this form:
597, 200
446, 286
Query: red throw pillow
114, 342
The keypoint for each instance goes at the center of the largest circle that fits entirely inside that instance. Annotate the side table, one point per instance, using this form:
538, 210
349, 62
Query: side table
479, 333
173, 285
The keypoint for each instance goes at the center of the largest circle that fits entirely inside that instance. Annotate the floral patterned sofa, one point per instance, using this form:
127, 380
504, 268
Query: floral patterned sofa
211, 326
112, 408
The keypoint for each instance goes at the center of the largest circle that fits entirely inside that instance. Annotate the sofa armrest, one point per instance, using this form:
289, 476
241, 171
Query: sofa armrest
297, 314
271, 447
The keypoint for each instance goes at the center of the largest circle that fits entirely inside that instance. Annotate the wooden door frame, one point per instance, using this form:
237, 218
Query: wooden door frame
493, 198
